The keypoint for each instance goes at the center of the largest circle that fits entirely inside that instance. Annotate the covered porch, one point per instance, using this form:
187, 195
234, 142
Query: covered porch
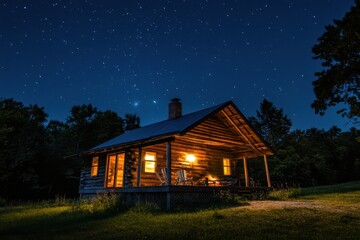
172, 171
210, 154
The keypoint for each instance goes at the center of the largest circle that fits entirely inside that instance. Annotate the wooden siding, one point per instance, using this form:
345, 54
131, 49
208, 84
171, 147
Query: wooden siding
93, 183
208, 163
150, 179
210, 141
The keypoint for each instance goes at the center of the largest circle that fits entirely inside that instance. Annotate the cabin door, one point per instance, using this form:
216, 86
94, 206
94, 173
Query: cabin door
115, 170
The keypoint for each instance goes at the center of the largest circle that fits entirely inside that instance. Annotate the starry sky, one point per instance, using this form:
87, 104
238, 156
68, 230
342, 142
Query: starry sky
134, 56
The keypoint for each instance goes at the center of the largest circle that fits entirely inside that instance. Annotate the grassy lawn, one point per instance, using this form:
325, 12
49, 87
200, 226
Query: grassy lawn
339, 219
342, 194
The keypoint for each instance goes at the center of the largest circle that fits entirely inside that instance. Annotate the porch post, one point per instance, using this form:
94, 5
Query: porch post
139, 168
168, 163
267, 172
246, 172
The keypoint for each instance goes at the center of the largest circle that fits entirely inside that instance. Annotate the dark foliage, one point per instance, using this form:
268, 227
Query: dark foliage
306, 158
22, 141
271, 123
32, 163
339, 50
132, 121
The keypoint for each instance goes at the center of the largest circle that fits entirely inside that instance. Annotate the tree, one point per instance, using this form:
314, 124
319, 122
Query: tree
32, 163
22, 143
59, 144
107, 125
271, 123
339, 82
79, 123
90, 127
132, 121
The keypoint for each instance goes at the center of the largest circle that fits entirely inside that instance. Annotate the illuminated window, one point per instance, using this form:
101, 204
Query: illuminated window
226, 163
94, 166
149, 163
115, 170
110, 173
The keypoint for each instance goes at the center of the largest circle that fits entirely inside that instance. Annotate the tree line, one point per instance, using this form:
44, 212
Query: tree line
32, 149
305, 157
32, 163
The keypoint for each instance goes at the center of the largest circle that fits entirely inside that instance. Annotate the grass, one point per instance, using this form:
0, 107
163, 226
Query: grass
339, 221
284, 194
345, 193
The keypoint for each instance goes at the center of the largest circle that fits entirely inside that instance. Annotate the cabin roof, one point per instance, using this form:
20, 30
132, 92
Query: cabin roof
166, 127
185, 123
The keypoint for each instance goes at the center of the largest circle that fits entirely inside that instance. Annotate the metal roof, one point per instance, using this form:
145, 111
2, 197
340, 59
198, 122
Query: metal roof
163, 128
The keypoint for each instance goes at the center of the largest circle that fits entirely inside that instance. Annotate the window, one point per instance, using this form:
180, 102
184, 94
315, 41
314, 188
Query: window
226, 162
94, 166
149, 163
115, 170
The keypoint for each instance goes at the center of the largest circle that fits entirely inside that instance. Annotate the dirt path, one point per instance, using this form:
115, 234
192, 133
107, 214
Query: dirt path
269, 205
262, 205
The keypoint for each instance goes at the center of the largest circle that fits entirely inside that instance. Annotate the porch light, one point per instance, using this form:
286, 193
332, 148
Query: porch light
190, 158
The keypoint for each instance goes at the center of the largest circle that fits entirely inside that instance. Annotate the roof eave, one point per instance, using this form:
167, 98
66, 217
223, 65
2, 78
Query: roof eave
137, 143
252, 128
221, 106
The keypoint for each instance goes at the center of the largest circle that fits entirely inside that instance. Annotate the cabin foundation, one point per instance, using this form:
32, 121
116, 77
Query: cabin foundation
172, 197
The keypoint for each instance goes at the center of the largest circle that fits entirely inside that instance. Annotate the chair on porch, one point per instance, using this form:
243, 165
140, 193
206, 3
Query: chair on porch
161, 175
230, 181
253, 183
183, 178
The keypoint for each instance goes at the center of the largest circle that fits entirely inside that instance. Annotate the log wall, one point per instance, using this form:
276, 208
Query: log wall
208, 163
93, 183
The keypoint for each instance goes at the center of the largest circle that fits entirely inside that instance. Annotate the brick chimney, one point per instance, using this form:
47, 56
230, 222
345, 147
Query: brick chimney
175, 108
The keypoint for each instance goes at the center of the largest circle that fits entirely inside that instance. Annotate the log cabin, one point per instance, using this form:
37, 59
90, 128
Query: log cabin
210, 146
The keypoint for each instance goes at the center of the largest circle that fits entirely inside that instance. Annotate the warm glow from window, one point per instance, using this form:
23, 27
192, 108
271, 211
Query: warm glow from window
94, 166
150, 160
190, 158
111, 171
149, 166
119, 170
115, 170
150, 156
226, 162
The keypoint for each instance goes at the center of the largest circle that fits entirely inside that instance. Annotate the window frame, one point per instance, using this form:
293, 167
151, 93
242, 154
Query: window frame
150, 160
115, 170
94, 165
227, 167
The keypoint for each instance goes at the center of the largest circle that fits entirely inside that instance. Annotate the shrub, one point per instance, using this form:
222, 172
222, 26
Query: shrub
60, 200
2, 202
284, 194
217, 215
224, 198
145, 208
100, 203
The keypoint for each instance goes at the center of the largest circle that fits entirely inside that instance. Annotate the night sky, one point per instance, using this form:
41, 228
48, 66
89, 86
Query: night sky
134, 56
